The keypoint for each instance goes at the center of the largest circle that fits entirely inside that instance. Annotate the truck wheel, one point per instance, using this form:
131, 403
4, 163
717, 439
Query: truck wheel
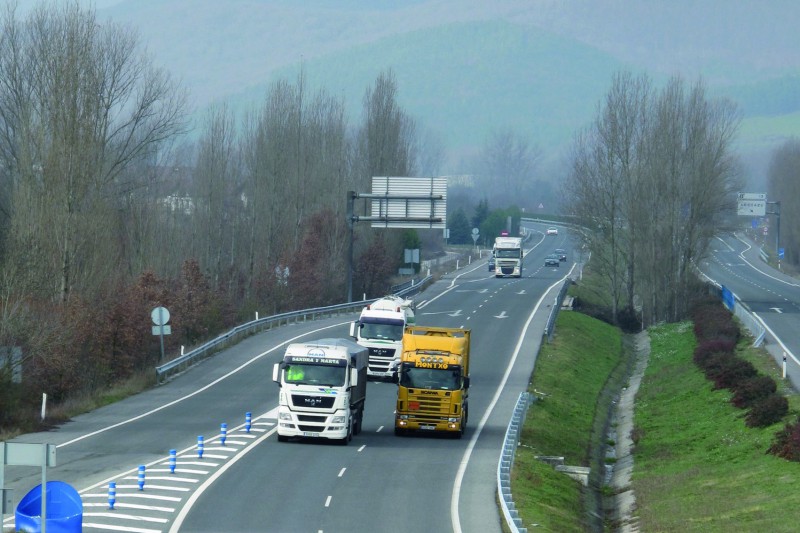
399, 432
282, 438
347, 438
359, 422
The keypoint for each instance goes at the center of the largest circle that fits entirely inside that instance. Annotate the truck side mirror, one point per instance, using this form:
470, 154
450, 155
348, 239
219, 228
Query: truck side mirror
466, 382
353, 329
354, 377
276, 373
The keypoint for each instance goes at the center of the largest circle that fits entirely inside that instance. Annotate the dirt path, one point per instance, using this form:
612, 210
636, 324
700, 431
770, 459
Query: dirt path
625, 500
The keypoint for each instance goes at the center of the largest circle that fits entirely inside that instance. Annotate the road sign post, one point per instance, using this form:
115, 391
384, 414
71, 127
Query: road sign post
160, 317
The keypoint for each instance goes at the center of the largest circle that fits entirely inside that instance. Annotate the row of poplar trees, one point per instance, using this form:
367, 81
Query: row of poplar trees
651, 180
108, 208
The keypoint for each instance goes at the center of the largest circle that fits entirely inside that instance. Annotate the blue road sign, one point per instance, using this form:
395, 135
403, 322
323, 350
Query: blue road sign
780, 253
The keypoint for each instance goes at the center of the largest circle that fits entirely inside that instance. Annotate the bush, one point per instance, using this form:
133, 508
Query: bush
712, 320
787, 442
707, 348
728, 371
767, 411
751, 390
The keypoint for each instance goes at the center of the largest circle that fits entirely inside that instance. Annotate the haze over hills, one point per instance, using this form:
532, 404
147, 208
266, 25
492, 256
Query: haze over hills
466, 68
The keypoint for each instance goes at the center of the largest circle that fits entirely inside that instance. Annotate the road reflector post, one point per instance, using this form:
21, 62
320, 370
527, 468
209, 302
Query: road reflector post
200, 446
173, 460
141, 477
248, 421
112, 494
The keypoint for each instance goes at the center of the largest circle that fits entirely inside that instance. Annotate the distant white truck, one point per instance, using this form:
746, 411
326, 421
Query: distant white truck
508, 256
323, 388
380, 329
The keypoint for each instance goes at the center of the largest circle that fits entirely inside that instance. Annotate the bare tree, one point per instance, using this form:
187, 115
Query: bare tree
651, 179
784, 183
79, 104
507, 165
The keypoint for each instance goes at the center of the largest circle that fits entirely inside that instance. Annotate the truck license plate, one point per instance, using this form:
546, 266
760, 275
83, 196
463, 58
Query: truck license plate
427, 427
310, 434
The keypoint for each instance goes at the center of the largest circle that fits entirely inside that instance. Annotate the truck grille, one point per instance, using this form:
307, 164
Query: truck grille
312, 418
387, 353
320, 402
423, 403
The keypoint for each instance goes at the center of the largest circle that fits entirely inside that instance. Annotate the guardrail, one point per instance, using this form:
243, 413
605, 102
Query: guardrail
506, 462
551, 320
233, 336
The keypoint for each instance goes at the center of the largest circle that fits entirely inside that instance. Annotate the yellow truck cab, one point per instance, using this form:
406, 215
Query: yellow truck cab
433, 382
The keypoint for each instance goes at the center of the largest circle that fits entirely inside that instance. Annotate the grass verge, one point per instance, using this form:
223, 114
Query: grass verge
697, 466
570, 374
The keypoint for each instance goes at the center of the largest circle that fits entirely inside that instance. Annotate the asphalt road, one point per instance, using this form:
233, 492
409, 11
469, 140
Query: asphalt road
253, 483
772, 296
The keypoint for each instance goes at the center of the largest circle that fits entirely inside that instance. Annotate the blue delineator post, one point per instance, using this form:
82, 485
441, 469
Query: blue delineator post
173, 460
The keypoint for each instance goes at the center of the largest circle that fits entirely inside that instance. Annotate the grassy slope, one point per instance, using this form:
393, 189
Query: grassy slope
571, 371
698, 467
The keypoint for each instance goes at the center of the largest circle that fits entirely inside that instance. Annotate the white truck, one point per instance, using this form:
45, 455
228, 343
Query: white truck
508, 256
380, 329
323, 387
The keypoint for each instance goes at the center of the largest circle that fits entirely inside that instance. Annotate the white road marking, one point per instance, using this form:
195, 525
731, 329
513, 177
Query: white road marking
341, 472
123, 505
468, 452
106, 527
379, 429
328, 501
361, 447
122, 516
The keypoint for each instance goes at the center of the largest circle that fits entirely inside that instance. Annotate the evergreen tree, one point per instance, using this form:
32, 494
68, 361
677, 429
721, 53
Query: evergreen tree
460, 229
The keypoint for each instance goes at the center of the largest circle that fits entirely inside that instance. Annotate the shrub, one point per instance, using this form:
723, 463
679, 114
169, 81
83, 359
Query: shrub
706, 348
767, 411
728, 371
751, 390
787, 442
712, 320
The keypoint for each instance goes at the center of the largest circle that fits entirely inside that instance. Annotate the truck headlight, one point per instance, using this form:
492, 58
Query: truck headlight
284, 416
338, 419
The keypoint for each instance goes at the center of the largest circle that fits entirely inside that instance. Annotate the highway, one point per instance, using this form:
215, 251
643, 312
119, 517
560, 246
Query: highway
772, 296
253, 483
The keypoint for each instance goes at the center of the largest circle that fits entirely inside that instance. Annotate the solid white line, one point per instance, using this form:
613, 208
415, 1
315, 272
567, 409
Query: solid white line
328, 501
147, 486
123, 516
198, 391
184, 512
468, 452
166, 478
341, 472
136, 495
133, 506
361, 447
107, 527
181, 471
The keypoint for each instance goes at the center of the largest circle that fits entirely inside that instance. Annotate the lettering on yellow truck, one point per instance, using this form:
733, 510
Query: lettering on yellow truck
433, 382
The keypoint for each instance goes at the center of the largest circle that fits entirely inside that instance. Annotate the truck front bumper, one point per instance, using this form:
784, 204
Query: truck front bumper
293, 424
427, 424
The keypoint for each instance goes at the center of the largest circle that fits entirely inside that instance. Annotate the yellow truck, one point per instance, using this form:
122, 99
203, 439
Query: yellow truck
433, 382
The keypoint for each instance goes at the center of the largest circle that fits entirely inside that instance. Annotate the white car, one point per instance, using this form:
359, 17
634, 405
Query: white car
552, 231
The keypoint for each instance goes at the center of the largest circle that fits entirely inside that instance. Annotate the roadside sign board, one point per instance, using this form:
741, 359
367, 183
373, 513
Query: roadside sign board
752, 196
780, 253
751, 208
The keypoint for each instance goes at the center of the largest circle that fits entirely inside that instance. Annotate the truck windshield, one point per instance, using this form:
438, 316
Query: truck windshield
331, 376
512, 253
392, 331
428, 378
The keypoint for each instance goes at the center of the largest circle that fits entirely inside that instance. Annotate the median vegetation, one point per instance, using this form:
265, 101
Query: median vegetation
706, 456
